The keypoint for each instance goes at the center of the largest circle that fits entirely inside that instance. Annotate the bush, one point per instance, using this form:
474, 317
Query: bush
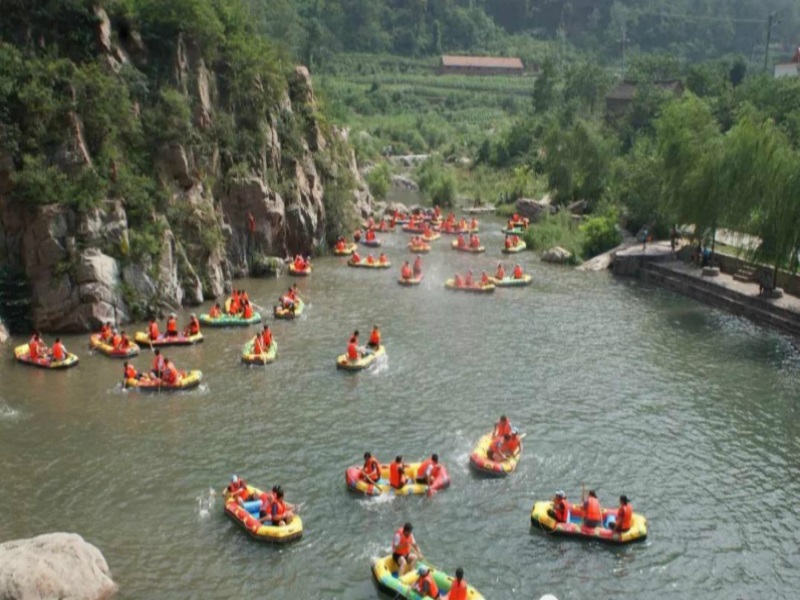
379, 180
600, 234
556, 230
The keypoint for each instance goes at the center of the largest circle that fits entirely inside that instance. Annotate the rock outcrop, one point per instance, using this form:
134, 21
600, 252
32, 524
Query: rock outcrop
557, 255
55, 565
534, 209
3, 333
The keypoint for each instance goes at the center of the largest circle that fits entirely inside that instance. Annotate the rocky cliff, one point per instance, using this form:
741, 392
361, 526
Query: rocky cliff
172, 225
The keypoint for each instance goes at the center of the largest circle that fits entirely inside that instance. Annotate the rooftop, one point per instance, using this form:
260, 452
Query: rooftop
487, 62
626, 90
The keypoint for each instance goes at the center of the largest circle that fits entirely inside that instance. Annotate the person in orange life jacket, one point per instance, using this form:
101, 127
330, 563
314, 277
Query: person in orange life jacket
193, 328
425, 586
418, 266
403, 543
116, 339
171, 375
474, 241
511, 445
508, 243
592, 512
340, 245
356, 258
281, 512
560, 510
510, 224
266, 337
370, 235
429, 470
172, 325
469, 281
624, 515
353, 353
243, 297
152, 330
370, 259
502, 427
105, 332
370, 225
247, 313
238, 489
129, 372
473, 224
460, 241
216, 311
405, 271
267, 498
371, 471
458, 587
234, 308
158, 364
58, 352
397, 477
495, 451
485, 278
500, 273
382, 259
374, 338
124, 342
518, 272
35, 347
258, 347
458, 281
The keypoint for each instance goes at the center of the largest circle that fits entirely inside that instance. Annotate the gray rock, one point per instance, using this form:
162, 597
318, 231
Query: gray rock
55, 565
403, 182
534, 209
94, 266
176, 165
557, 255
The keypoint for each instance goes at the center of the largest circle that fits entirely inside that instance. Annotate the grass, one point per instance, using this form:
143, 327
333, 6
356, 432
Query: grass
556, 230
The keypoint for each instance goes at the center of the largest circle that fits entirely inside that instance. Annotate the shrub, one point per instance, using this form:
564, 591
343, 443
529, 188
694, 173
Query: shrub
556, 230
379, 180
600, 234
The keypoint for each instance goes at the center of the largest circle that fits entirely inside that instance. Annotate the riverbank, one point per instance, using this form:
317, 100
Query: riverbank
659, 265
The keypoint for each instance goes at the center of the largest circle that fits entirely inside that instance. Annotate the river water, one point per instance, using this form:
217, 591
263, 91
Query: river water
628, 389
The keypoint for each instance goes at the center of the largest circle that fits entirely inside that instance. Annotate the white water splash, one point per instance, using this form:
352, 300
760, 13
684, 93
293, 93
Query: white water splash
374, 502
205, 502
9, 414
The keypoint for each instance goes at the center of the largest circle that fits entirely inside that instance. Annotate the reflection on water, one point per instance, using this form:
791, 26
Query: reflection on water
624, 388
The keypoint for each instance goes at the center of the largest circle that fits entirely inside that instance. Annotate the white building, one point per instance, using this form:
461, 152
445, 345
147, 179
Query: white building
790, 69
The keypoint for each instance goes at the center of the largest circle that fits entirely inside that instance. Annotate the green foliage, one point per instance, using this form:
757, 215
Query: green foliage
380, 180
437, 182
600, 233
556, 230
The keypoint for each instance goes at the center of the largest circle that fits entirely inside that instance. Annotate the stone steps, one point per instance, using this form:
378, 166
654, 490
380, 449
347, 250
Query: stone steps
745, 274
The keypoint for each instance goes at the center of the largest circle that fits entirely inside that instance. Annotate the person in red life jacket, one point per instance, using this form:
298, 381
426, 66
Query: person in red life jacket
458, 587
371, 471
560, 510
251, 223
624, 515
485, 278
405, 271
234, 307
374, 338
116, 339
340, 245
258, 347
418, 266
592, 512
247, 311
429, 470
281, 512
266, 337
405, 551
515, 218
158, 364
469, 280
105, 332
474, 241
460, 241
266, 499
215, 312
437, 212
397, 477
129, 372
193, 328
495, 451
508, 243
124, 342
170, 375
502, 427
500, 273
237, 488
172, 325
370, 259
243, 297
35, 347
355, 258
518, 272
425, 586
510, 445
370, 235
353, 353
458, 281
58, 352
473, 224
152, 330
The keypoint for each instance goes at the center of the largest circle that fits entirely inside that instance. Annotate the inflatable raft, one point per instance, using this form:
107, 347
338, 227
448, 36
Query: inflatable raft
476, 288
246, 517
95, 343
22, 354
363, 264
574, 526
456, 231
513, 282
362, 363
419, 248
357, 485
376, 243
432, 237
469, 249
521, 245
259, 359
227, 320
385, 572
188, 380
143, 339
480, 461
348, 250
299, 272
411, 282
287, 313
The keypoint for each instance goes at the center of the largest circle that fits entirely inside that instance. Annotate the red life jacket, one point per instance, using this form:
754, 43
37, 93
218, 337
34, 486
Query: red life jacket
501, 273
517, 272
401, 544
115, 341
592, 510
257, 349
405, 272
396, 475
561, 510
372, 469
502, 428
426, 582
423, 469
352, 351
171, 375
458, 590
130, 372
418, 265
624, 517
375, 338
158, 363
153, 330
194, 326
59, 353
248, 311
266, 337
509, 447
278, 510
172, 325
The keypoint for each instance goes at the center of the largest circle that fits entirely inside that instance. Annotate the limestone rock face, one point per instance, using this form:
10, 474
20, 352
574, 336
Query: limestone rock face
557, 255
55, 565
533, 209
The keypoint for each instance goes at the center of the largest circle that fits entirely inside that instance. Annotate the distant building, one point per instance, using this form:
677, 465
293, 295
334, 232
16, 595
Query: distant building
620, 98
790, 69
480, 65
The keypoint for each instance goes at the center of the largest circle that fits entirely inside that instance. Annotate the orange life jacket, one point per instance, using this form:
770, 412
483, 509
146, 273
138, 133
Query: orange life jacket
517, 272
172, 325
468, 280
115, 341
501, 273
153, 330
356, 257
33, 349
396, 476
405, 272
105, 332
458, 590
370, 259
461, 241
130, 372
560, 507
215, 312
418, 265
375, 338
257, 348
194, 326
624, 517
510, 446
372, 469
427, 582
234, 306
171, 375
248, 311
502, 429
370, 235
352, 351
592, 510
484, 279
458, 281
278, 510
340, 246
403, 545
423, 468
474, 241
59, 353
266, 338
383, 260
158, 364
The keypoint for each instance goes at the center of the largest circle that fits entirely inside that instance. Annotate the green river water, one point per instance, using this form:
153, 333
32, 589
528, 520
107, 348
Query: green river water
630, 389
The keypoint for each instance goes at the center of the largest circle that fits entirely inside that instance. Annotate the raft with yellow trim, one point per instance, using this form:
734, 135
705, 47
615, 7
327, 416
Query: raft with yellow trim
228, 320
281, 312
376, 243
467, 248
143, 339
432, 237
419, 248
358, 485
23, 355
412, 281
480, 461
188, 380
95, 343
521, 245
347, 251
385, 572
259, 359
364, 362
475, 288
574, 526
523, 281
246, 517
299, 272
363, 264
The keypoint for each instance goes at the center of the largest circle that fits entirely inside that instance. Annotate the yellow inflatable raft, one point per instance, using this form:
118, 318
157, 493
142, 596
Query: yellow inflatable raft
574, 526
188, 380
468, 249
95, 343
23, 355
246, 517
347, 251
299, 272
363, 264
358, 485
259, 359
385, 572
475, 288
480, 461
362, 363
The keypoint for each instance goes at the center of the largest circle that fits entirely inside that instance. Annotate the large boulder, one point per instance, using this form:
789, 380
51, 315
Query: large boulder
54, 565
405, 183
534, 209
557, 255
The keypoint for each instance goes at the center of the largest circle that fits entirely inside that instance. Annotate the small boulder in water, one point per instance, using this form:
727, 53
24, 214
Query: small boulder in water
557, 255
